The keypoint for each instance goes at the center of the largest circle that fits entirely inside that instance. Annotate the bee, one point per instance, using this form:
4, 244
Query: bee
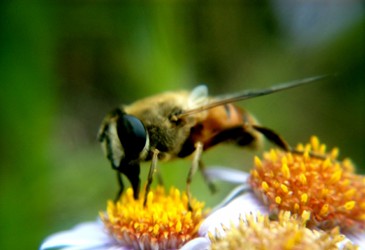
180, 124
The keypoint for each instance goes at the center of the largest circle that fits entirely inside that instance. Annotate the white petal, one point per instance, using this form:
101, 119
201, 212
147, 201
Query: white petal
230, 214
241, 189
227, 174
200, 243
358, 239
105, 247
88, 235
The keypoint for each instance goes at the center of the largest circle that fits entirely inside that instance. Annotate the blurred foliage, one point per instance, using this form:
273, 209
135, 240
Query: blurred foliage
64, 64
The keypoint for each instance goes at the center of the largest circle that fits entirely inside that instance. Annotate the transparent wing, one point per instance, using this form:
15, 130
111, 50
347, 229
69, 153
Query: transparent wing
198, 97
200, 102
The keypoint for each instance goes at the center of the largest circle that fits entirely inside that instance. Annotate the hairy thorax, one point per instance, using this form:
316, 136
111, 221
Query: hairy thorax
166, 134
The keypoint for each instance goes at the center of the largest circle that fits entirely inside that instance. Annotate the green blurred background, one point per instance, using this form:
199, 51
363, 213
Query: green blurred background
65, 64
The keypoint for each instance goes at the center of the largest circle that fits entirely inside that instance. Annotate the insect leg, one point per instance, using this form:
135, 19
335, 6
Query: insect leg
273, 137
121, 186
210, 184
159, 177
193, 168
153, 168
280, 142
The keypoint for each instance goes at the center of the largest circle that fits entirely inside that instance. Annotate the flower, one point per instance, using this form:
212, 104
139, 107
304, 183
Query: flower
326, 187
312, 182
230, 213
244, 223
164, 223
256, 231
312, 197
87, 235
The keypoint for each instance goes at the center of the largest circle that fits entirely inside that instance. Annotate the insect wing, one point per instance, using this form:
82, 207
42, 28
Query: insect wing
198, 97
248, 94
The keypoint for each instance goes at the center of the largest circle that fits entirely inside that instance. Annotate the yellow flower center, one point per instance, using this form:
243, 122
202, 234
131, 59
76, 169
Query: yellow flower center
289, 232
327, 188
165, 222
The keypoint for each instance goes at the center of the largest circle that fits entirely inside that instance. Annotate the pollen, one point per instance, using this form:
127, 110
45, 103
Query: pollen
288, 232
264, 185
304, 198
312, 180
349, 205
284, 188
285, 170
164, 223
258, 163
303, 179
278, 199
324, 210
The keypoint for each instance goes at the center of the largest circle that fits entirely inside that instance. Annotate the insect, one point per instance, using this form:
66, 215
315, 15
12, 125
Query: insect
179, 124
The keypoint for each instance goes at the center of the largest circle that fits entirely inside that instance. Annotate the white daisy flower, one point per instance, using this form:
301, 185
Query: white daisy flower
313, 183
164, 223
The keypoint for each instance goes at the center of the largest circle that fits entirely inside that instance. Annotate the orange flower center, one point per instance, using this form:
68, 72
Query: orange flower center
327, 188
288, 232
165, 222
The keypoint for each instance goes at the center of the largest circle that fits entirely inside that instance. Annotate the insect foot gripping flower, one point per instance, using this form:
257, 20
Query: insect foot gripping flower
327, 188
165, 223
256, 231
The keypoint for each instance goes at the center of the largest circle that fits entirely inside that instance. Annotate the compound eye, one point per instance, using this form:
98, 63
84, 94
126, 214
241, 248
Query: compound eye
132, 134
